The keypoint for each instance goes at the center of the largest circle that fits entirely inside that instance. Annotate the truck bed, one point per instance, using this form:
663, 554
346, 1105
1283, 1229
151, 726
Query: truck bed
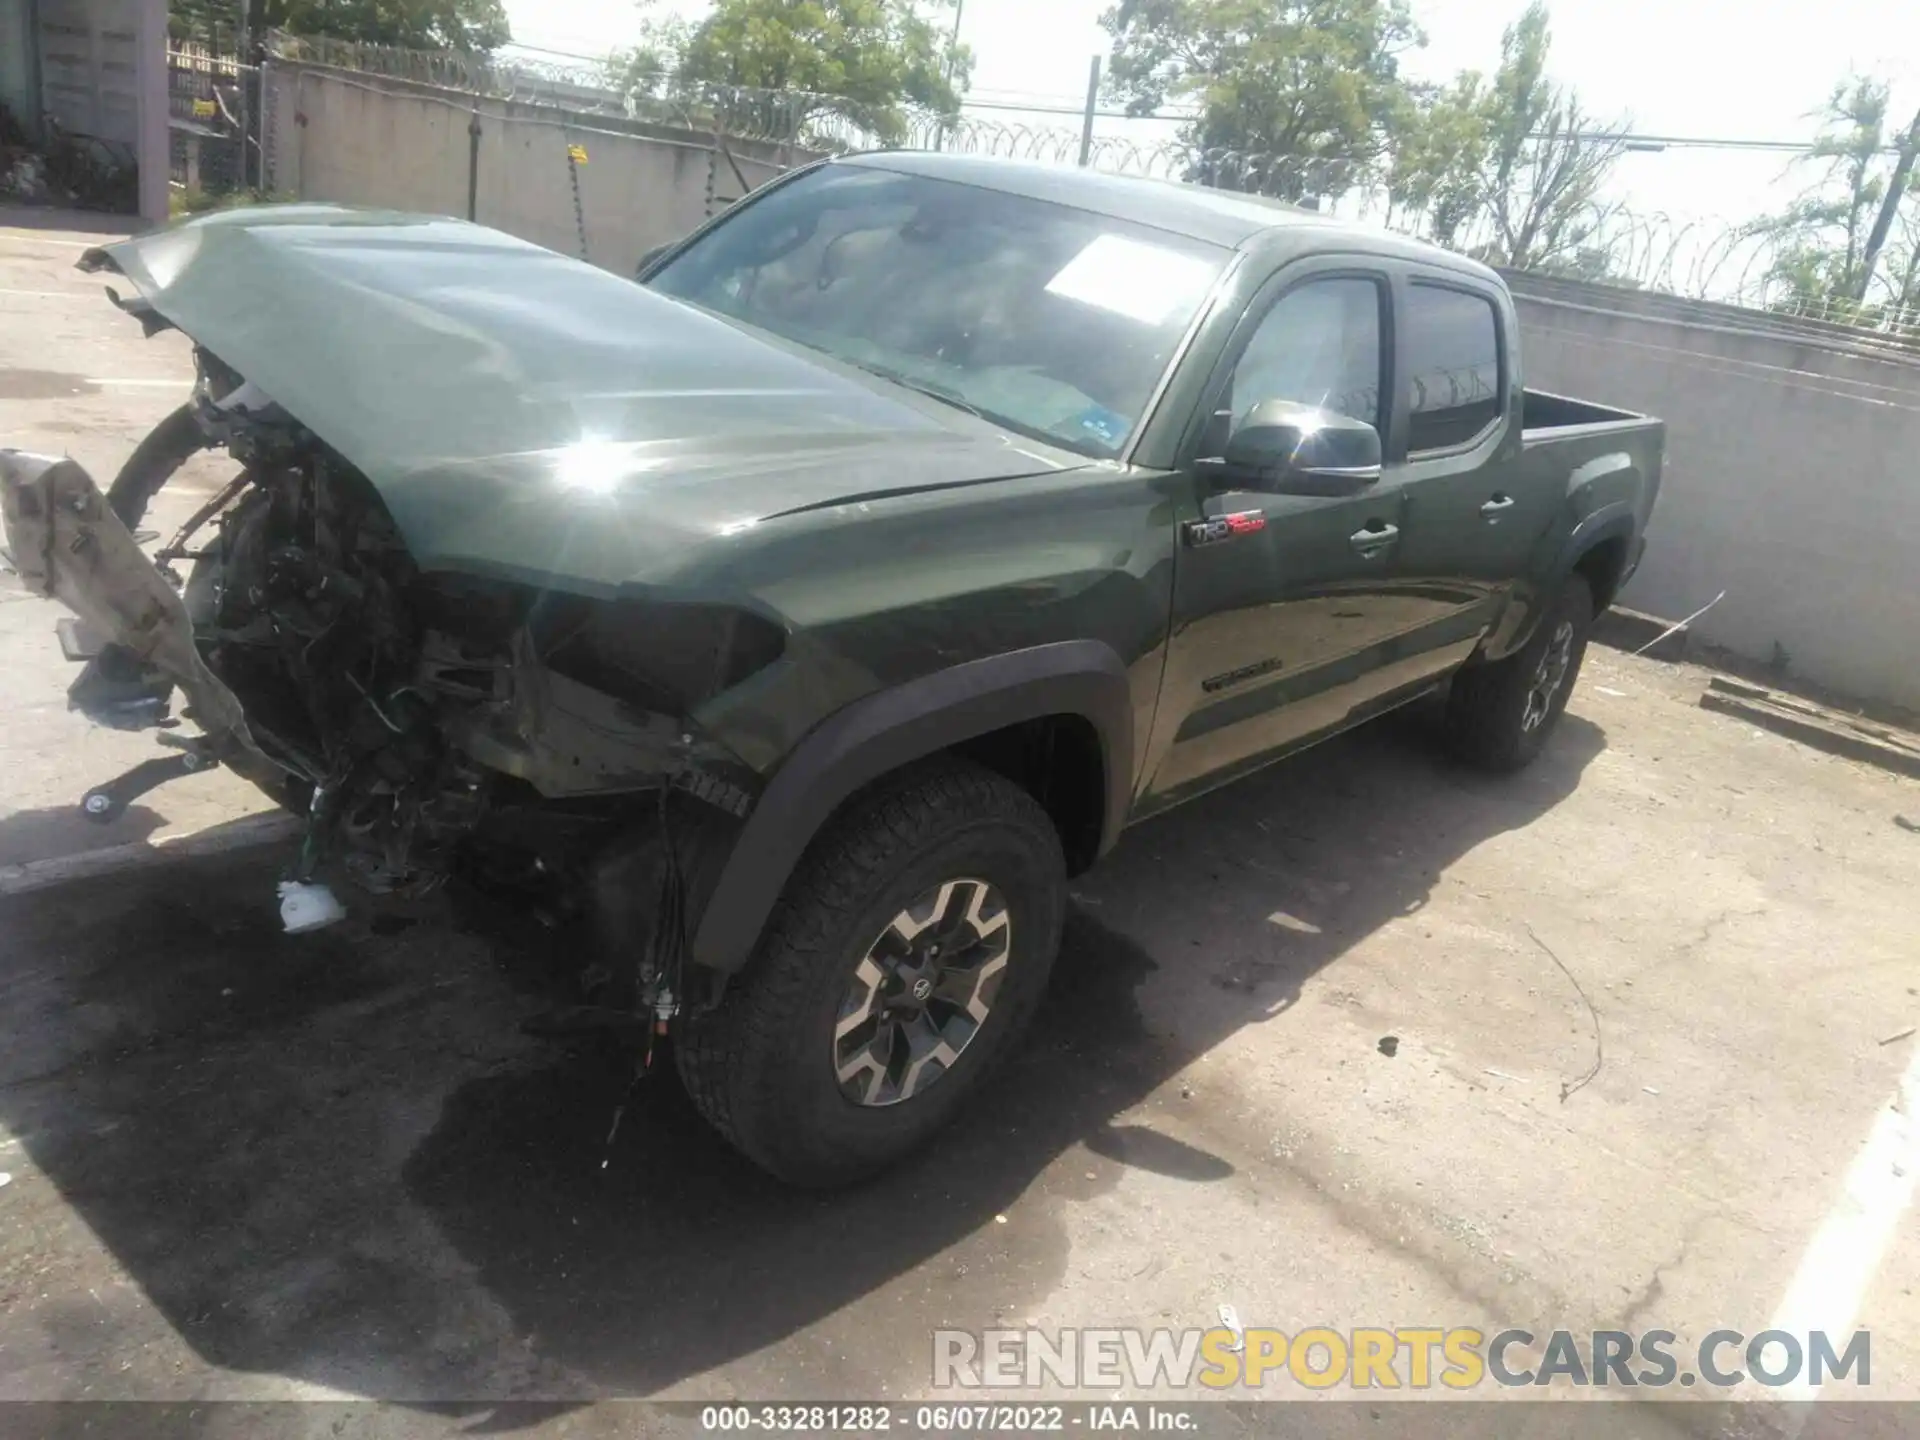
1542, 411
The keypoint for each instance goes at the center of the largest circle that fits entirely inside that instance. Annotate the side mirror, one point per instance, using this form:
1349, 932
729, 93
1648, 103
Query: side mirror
1287, 448
647, 260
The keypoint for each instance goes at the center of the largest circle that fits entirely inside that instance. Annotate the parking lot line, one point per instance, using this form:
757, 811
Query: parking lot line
1845, 1254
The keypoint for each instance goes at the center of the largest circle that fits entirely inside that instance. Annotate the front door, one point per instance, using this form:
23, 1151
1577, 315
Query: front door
1282, 603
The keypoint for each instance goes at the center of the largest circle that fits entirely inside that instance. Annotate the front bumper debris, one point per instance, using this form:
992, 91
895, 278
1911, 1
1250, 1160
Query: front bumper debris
67, 544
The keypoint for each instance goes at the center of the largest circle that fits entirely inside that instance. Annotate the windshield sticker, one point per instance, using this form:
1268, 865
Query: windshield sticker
1143, 282
1103, 424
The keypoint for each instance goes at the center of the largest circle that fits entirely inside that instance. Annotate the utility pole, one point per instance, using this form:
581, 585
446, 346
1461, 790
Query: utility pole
1909, 148
247, 73
1093, 99
953, 54
953, 45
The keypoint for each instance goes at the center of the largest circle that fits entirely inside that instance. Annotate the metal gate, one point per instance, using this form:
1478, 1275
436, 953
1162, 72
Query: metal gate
210, 96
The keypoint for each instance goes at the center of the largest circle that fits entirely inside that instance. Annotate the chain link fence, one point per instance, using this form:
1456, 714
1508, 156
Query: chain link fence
211, 99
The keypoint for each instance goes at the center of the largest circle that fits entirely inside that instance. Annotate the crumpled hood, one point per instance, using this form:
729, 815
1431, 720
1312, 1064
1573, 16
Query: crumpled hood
530, 416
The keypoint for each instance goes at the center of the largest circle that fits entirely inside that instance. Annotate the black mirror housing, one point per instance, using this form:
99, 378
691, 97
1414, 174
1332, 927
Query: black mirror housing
647, 260
1286, 448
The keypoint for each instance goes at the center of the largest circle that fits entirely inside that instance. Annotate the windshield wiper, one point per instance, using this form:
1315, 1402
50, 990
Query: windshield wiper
931, 388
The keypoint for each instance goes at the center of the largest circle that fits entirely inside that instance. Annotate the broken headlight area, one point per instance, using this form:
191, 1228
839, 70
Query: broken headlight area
422, 723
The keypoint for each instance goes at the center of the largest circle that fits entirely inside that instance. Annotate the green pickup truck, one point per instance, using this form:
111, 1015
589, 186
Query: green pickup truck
801, 617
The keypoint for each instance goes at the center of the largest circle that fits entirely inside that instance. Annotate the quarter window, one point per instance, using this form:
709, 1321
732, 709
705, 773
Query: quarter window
1453, 361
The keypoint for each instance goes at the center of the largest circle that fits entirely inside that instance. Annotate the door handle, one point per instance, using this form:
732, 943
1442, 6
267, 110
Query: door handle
1497, 506
1375, 538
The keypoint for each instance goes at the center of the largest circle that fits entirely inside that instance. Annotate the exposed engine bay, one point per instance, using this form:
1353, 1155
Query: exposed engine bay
422, 724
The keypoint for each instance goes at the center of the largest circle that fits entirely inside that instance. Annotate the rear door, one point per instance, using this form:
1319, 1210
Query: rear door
1280, 601
1474, 511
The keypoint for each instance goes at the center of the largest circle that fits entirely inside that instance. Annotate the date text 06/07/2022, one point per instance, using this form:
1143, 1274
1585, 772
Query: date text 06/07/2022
945, 1419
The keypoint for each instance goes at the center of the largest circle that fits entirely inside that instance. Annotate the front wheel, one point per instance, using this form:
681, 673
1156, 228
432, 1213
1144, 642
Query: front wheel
905, 956
1499, 715
154, 461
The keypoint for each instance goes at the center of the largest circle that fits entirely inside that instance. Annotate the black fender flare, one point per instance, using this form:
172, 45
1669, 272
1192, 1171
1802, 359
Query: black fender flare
882, 732
1616, 521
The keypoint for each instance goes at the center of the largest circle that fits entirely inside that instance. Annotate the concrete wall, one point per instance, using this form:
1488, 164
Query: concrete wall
364, 140
1792, 479
19, 65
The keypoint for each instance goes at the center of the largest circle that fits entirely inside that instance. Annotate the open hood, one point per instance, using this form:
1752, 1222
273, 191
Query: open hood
527, 415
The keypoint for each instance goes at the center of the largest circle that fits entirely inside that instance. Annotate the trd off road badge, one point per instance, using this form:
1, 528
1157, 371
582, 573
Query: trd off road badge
1224, 527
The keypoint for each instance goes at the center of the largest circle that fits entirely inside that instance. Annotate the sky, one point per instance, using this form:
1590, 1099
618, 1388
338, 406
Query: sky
1741, 69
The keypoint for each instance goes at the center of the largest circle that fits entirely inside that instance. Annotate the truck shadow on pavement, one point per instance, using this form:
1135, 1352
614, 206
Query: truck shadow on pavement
335, 1158
27, 836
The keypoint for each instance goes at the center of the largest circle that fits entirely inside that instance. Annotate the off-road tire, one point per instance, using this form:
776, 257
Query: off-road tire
1487, 709
760, 1067
154, 461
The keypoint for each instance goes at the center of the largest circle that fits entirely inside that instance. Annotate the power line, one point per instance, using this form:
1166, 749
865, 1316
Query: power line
1077, 111
1634, 140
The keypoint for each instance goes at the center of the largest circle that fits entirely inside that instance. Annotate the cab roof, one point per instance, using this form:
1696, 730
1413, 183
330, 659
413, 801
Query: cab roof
1219, 217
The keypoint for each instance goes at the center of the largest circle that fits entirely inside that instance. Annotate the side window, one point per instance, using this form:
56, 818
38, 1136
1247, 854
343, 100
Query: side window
1318, 345
1453, 360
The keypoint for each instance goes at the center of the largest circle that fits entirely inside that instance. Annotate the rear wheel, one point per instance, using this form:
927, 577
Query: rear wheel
1500, 715
904, 958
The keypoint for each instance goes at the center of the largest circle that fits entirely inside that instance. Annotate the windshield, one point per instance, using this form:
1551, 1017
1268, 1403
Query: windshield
1052, 321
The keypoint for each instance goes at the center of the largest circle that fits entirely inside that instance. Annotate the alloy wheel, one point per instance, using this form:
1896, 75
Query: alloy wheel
922, 992
1549, 676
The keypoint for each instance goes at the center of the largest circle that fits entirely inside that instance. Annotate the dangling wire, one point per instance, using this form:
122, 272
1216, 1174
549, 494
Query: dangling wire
660, 970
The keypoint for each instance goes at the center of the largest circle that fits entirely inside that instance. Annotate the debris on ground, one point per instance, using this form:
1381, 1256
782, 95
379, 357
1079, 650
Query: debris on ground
1503, 1075
25, 180
62, 167
1569, 1087
5, 1179
1389, 1045
1632, 630
1230, 1318
1905, 824
1831, 731
1901, 1035
1649, 1089
308, 907
1679, 627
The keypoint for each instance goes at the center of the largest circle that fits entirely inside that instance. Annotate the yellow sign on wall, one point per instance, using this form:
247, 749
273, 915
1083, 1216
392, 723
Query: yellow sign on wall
205, 107
577, 154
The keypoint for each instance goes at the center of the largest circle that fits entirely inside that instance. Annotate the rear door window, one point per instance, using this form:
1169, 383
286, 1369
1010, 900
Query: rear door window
1452, 342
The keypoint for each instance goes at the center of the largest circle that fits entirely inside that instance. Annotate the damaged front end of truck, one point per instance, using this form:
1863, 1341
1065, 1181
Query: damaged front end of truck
535, 730
521, 571
422, 725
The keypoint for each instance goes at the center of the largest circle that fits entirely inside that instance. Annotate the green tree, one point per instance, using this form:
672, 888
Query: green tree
205, 20
1848, 248
1439, 146
474, 25
1548, 158
865, 61
1512, 166
1312, 86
